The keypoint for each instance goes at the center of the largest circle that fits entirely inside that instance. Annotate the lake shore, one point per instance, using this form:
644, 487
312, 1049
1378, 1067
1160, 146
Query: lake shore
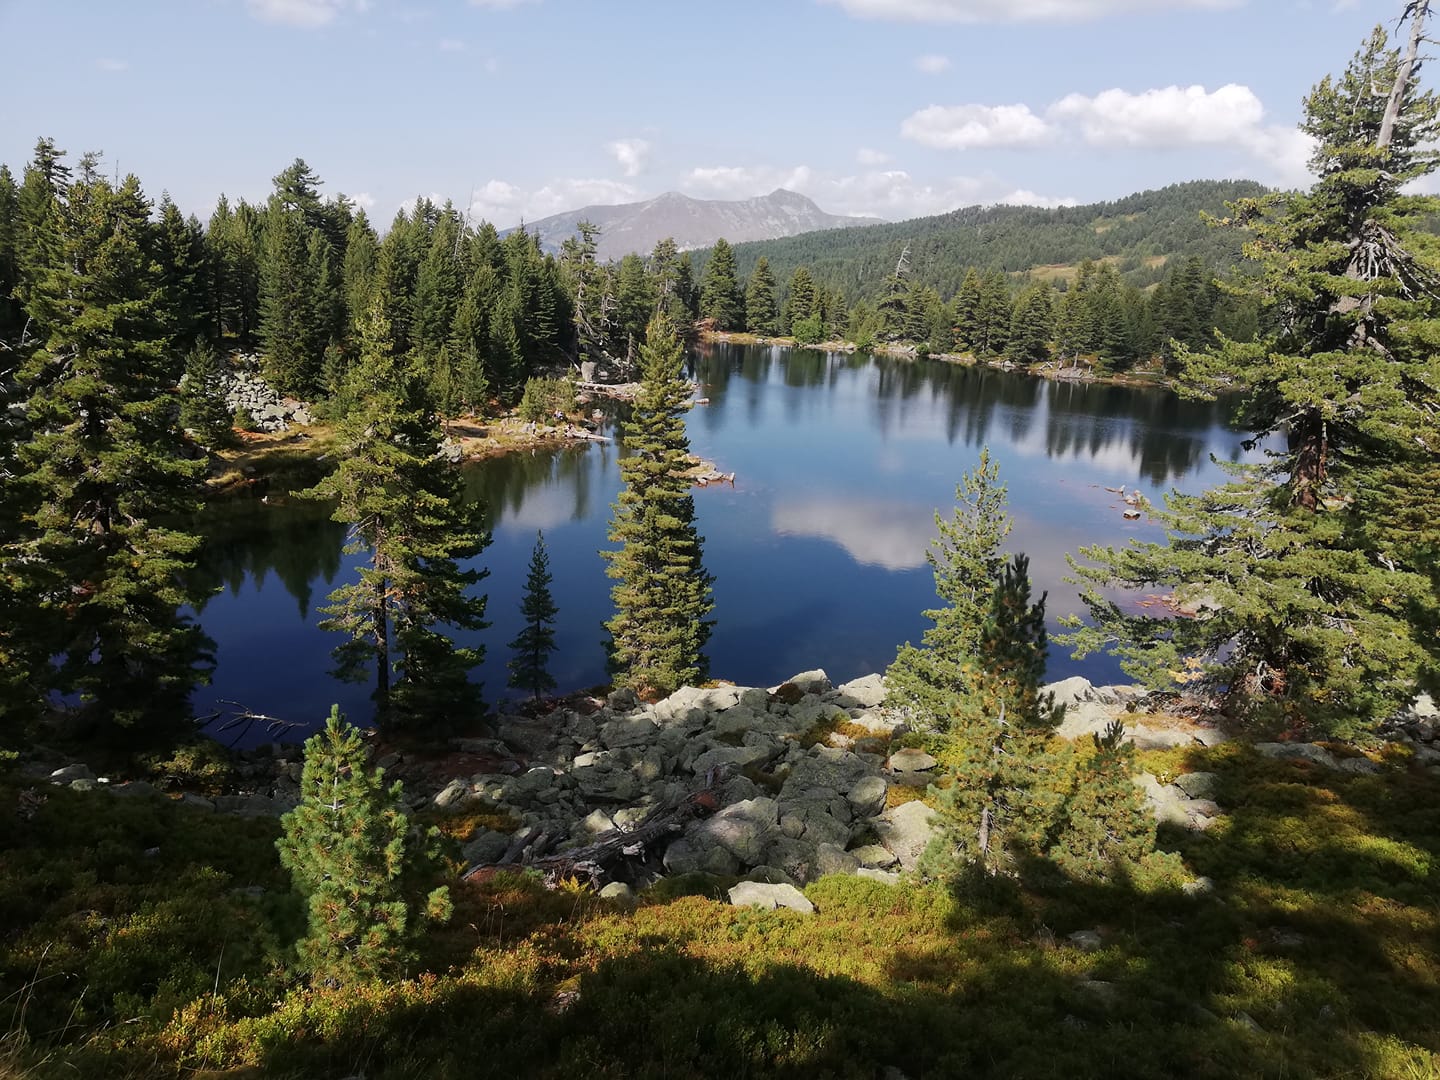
1052, 370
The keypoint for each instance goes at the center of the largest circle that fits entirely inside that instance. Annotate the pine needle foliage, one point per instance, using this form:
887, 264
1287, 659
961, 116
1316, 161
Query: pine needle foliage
1103, 821
355, 859
966, 559
662, 593
1313, 568
529, 667
408, 512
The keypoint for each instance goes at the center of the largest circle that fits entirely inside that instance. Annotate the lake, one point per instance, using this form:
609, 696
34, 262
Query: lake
818, 549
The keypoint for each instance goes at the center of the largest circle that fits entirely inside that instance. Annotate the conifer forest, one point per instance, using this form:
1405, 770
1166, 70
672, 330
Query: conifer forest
431, 647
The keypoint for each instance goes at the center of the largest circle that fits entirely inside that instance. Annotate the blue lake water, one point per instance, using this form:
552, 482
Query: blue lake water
818, 550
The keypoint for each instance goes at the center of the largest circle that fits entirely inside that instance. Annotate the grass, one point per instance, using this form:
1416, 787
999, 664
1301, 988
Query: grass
1316, 954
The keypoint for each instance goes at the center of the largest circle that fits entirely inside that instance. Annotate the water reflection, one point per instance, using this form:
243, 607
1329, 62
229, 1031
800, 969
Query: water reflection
818, 550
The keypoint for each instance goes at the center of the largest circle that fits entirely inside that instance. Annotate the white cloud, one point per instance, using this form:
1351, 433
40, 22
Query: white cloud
112, 65
1026, 197
631, 154
1169, 116
978, 11
932, 63
308, 14
893, 535
965, 127
363, 199
452, 45
504, 204
866, 156
742, 182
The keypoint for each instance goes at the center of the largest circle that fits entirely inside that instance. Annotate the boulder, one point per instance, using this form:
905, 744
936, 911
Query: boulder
1198, 785
866, 692
451, 794
1316, 755
682, 857
134, 787
1086, 940
831, 859
885, 877
810, 682
769, 875
621, 700
795, 858
867, 796
911, 760
485, 847
619, 892
770, 897
737, 757
744, 829
1362, 766
628, 731
596, 822
873, 856
1070, 691
906, 831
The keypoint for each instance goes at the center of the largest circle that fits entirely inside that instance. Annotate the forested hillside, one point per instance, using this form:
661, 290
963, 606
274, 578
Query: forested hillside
1140, 233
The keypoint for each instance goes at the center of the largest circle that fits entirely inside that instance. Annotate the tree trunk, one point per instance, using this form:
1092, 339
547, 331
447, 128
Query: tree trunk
1416, 12
1310, 445
382, 654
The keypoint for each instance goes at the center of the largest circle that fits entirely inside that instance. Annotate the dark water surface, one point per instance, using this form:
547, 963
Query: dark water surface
818, 551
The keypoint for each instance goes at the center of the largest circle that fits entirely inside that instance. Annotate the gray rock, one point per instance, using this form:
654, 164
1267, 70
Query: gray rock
597, 821
83, 784
1425, 708
1152, 738
874, 857
1202, 807
865, 692
1201, 886
906, 830
1198, 785
1426, 755
590, 759
737, 757
1070, 691
389, 761
1166, 800
628, 731
770, 875
622, 700
770, 897
1107, 993
811, 682
911, 760
795, 857
682, 857
1083, 717
485, 847
619, 892
1316, 755
71, 772
830, 859
744, 829
867, 796
134, 787
885, 877
1086, 940
1361, 766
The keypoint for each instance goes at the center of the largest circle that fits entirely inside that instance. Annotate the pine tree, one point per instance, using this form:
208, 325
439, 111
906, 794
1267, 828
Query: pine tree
1103, 821
1315, 566
288, 302
760, 312
529, 667
103, 581
179, 249
11, 314
407, 512
1000, 804
799, 298
350, 851
662, 592
1032, 326
966, 559
202, 403
719, 291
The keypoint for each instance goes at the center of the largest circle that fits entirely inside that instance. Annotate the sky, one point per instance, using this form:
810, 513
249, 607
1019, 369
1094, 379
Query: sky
523, 108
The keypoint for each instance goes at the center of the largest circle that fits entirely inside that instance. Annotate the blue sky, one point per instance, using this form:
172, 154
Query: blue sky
885, 107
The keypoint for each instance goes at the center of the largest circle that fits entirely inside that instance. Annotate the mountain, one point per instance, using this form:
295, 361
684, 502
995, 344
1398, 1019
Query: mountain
1140, 234
693, 223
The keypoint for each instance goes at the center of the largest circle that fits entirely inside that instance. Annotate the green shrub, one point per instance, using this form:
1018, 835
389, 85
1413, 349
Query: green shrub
543, 397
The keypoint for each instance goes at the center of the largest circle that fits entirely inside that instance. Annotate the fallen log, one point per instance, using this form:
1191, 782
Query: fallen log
595, 861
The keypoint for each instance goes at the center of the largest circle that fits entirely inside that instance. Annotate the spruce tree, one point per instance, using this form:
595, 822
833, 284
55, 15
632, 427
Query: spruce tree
408, 514
799, 298
529, 667
1001, 803
760, 312
1314, 568
719, 291
1103, 822
352, 855
662, 592
11, 314
101, 579
202, 402
288, 302
1032, 326
925, 681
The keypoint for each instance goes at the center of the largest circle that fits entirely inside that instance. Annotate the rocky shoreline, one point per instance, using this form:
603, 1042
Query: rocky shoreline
806, 779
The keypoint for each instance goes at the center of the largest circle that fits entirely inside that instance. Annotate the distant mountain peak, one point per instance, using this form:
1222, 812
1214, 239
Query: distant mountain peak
693, 223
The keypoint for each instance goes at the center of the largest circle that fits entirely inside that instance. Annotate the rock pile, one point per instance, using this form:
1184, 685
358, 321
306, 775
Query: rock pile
246, 390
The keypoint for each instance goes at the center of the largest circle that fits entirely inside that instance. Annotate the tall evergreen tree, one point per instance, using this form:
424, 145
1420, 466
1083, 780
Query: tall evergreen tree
760, 312
1316, 565
288, 302
719, 290
799, 298
202, 402
1032, 326
354, 857
11, 313
966, 559
529, 667
407, 513
662, 591
102, 579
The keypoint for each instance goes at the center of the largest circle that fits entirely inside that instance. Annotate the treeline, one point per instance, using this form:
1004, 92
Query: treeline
1098, 318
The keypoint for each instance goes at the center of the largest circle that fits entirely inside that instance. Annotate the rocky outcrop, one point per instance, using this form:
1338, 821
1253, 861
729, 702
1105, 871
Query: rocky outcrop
247, 391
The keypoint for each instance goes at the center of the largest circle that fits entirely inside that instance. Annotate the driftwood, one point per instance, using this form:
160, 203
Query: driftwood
595, 861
